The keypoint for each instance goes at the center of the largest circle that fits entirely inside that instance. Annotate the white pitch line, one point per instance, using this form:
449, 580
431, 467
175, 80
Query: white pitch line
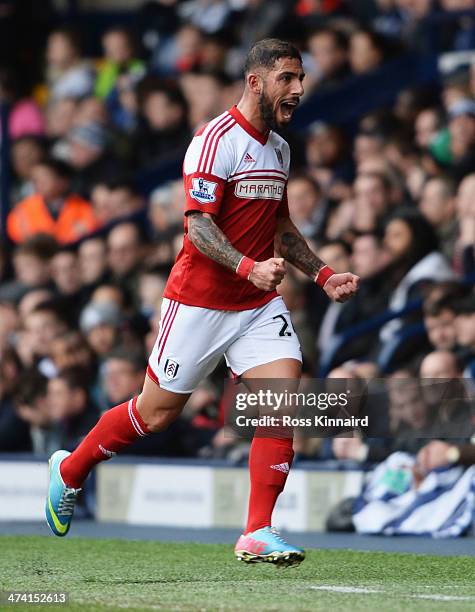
345, 589
366, 591
444, 597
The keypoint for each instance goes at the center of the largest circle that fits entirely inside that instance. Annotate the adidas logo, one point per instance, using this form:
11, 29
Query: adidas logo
248, 159
281, 467
106, 452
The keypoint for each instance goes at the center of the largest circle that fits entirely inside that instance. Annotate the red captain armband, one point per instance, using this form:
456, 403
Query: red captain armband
323, 275
245, 267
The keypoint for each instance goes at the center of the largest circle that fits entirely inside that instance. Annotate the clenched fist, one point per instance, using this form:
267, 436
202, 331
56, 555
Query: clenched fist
268, 274
341, 287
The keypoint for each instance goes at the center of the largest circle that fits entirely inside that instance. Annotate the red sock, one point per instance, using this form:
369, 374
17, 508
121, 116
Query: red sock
269, 464
116, 429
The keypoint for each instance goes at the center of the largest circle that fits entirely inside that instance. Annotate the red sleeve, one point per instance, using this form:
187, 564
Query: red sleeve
203, 192
283, 209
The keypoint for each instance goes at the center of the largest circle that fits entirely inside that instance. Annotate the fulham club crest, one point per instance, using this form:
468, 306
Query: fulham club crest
280, 159
171, 369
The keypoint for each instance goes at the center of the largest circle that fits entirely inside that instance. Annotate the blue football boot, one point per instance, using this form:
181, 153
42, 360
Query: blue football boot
60, 499
266, 545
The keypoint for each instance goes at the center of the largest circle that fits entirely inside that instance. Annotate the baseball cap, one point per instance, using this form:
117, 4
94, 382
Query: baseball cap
95, 314
91, 135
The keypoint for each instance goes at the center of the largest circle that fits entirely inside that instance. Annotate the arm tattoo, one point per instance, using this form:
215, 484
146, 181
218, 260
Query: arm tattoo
210, 240
293, 248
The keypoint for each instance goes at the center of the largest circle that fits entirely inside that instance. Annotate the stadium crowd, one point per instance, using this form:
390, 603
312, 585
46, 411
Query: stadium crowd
390, 197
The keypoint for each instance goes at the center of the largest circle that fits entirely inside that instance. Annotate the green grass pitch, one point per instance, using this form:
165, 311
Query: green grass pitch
109, 575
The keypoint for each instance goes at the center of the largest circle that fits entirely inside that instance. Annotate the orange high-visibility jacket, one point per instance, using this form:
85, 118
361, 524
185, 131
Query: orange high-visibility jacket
31, 216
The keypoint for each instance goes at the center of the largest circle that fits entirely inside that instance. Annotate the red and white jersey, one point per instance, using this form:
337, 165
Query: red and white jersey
238, 175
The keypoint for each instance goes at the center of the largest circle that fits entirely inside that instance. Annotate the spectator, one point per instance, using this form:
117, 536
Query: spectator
329, 161
150, 292
70, 406
187, 48
307, 208
124, 198
100, 325
123, 104
214, 53
26, 153
101, 202
52, 209
60, 118
92, 262
65, 272
119, 58
372, 202
445, 395
366, 51
328, 48
369, 144
124, 372
415, 262
32, 407
427, 126
164, 132
14, 432
439, 321
437, 204
42, 326
125, 253
205, 94
31, 264
67, 279
70, 350
68, 75
90, 157
368, 256
408, 418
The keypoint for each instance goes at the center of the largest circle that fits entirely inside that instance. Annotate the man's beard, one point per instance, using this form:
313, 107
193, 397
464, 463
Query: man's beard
267, 112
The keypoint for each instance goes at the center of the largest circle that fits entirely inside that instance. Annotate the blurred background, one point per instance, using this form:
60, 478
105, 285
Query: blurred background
98, 102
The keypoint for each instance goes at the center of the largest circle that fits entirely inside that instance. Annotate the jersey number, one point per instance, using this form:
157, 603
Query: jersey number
283, 330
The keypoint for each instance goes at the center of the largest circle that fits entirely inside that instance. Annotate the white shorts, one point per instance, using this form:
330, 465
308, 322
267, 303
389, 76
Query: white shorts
192, 340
